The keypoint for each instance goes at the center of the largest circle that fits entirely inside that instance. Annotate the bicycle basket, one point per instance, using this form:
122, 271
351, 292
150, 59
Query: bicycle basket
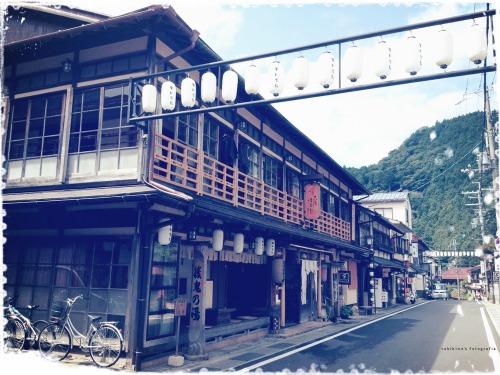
59, 311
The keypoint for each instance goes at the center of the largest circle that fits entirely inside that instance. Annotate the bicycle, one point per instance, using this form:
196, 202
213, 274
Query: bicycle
20, 332
103, 340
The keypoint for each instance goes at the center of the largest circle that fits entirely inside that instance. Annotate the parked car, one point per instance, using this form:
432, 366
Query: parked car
439, 291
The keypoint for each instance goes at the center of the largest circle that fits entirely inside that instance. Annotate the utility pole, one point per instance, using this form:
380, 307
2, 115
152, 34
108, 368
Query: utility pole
490, 137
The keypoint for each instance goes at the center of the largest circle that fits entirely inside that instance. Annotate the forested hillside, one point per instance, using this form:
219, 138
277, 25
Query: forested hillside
429, 164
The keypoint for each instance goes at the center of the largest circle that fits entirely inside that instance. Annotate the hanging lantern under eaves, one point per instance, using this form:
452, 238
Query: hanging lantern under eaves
277, 76
270, 247
382, 60
252, 80
353, 63
300, 71
326, 69
217, 239
188, 92
229, 86
165, 235
444, 49
238, 242
208, 87
259, 246
477, 44
148, 99
168, 96
412, 55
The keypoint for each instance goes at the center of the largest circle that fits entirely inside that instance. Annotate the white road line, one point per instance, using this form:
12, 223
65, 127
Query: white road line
494, 355
257, 365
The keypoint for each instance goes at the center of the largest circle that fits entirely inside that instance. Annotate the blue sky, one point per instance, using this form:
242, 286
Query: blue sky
356, 129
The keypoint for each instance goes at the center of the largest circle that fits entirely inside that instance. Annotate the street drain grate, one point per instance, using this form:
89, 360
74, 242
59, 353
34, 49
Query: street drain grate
281, 345
246, 356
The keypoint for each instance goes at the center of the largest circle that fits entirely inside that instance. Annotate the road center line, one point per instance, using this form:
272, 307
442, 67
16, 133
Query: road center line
278, 357
493, 354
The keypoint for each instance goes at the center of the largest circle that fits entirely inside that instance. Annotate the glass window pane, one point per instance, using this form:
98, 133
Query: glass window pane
117, 302
77, 102
16, 150
128, 137
35, 128
52, 125
101, 276
111, 118
18, 130
34, 147
88, 141
91, 100
20, 112
54, 105
51, 146
113, 97
73, 142
27, 275
109, 139
44, 276
99, 301
119, 277
75, 122
38, 108
90, 120
104, 68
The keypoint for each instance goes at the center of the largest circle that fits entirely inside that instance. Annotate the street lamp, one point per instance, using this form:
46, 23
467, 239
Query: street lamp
371, 265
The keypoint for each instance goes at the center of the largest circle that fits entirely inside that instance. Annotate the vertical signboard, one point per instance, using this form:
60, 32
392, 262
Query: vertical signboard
312, 199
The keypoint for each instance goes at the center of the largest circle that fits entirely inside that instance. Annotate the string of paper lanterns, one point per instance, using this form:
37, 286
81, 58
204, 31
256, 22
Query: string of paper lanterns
325, 69
260, 245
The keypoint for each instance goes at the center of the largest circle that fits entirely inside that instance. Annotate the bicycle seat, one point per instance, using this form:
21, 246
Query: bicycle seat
94, 319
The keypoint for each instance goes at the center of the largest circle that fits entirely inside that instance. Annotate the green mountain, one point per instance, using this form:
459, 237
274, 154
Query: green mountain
429, 164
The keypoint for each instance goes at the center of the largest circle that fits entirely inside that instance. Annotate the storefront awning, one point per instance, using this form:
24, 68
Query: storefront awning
388, 263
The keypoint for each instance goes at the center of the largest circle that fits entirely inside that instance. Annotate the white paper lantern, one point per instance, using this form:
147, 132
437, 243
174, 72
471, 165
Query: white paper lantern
168, 96
277, 75
217, 239
353, 63
444, 49
229, 86
259, 246
270, 244
149, 98
477, 44
208, 87
238, 242
165, 235
188, 92
252, 80
412, 56
371, 274
300, 71
382, 60
326, 69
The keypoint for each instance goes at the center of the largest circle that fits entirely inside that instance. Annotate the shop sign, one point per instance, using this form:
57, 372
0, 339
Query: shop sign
311, 201
180, 306
345, 277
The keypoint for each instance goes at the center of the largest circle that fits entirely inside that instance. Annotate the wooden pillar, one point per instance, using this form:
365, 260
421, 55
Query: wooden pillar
318, 277
283, 294
196, 347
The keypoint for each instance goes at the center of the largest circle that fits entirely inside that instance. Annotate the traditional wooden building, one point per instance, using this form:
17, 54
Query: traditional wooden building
206, 208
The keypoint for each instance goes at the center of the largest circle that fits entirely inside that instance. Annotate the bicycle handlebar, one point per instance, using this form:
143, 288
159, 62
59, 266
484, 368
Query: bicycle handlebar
71, 301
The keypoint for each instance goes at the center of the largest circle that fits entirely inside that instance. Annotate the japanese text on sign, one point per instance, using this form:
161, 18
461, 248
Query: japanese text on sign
311, 201
196, 295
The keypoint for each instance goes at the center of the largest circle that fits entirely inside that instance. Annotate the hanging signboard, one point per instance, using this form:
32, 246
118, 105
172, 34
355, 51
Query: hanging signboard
180, 306
312, 201
345, 277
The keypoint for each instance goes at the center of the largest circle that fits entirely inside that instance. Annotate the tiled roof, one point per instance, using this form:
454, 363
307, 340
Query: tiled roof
396, 196
451, 274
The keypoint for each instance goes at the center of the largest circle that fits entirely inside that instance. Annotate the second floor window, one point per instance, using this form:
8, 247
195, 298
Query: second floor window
100, 138
293, 184
273, 172
210, 137
187, 130
249, 159
34, 136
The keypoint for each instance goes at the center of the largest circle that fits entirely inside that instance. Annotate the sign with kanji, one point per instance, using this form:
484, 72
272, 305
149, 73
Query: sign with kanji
345, 277
312, 199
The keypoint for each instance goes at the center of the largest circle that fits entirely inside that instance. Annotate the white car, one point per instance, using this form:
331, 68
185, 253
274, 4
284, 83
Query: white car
439, 291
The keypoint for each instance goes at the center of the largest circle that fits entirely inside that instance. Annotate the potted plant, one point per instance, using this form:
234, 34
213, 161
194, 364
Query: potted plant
345, 312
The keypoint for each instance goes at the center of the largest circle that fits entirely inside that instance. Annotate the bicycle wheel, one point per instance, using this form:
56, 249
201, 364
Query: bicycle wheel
106, 345
35, 333
54, 342
14, 335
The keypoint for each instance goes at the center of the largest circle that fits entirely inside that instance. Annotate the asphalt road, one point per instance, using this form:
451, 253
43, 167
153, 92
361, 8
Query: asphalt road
441, 336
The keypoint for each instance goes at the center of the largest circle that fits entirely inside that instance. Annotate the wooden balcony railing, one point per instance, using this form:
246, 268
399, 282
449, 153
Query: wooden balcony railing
174, 163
